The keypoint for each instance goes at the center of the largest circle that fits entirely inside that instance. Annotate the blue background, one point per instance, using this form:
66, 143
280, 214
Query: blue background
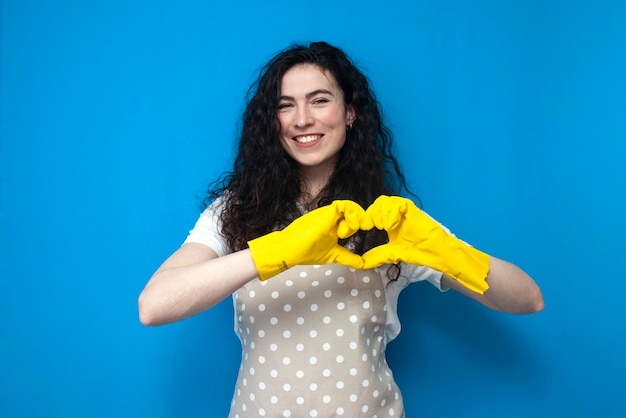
510, 125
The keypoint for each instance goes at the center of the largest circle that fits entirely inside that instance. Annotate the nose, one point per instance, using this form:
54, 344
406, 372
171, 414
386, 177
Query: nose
303, 117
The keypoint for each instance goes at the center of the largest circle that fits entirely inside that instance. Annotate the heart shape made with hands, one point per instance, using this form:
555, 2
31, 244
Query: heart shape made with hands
414, 238
409, 230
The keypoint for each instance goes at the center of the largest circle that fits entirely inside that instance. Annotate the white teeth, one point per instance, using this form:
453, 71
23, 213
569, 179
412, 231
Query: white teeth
307, 139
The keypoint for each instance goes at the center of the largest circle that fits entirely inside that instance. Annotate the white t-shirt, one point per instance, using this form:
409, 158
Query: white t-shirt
207, 231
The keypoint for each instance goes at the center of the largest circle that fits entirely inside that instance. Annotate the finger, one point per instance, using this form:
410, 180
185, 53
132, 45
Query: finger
326, 217
347, 258
384, 213
345, 230
353, 213
367, 223
375, 214
349, 219
378, 256
402, 204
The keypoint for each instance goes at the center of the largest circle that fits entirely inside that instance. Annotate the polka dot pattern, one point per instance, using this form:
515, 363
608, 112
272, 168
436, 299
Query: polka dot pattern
313, 346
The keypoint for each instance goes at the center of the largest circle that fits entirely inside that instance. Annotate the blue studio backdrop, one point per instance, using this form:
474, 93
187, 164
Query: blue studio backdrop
510, 124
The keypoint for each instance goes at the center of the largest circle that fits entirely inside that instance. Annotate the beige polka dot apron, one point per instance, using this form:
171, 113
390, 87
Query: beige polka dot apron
313, 346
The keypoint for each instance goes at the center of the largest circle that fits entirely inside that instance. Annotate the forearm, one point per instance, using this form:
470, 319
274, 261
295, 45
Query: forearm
178, 292
510, 290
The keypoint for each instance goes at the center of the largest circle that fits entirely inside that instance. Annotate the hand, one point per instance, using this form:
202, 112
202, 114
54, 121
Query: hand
416, 238
310, 239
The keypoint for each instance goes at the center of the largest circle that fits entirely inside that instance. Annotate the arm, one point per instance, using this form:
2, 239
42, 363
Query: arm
416, 238
193, 279
510, 290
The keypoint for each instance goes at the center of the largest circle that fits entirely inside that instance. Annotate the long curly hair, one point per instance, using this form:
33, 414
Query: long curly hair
261, 192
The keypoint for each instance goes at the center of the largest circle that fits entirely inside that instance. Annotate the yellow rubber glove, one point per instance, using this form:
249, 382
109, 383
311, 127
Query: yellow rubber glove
416, 238
310, 239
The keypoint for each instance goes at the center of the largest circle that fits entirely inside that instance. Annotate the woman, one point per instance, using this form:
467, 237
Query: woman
313, 154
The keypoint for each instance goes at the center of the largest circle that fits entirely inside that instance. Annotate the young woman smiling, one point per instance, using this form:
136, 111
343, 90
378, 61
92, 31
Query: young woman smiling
310, 237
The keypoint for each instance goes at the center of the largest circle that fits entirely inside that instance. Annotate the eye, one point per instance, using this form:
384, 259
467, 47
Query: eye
320, 100
282, 106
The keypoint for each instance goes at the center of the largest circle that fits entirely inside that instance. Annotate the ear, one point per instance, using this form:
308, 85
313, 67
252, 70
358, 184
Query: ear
350, 115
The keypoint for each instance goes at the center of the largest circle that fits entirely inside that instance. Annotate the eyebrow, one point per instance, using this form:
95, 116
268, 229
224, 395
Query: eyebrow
309, 95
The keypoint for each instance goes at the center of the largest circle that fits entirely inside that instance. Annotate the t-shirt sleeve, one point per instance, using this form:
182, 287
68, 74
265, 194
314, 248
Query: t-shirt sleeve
410, 273
207, 230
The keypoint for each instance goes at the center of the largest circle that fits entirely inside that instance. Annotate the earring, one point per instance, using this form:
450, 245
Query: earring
349, 127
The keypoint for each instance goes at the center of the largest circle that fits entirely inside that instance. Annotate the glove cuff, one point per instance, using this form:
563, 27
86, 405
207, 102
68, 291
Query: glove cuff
467, 265
266, 256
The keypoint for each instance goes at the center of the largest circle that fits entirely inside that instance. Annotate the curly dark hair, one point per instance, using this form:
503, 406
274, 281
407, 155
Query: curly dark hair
261, 192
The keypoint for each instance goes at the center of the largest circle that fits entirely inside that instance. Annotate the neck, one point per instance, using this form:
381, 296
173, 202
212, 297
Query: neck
313, 179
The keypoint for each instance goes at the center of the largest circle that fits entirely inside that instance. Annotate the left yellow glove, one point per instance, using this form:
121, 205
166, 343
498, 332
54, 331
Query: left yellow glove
310, 239
416, 238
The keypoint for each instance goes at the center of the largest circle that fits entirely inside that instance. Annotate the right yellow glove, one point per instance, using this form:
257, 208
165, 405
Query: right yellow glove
310, 239
416, 238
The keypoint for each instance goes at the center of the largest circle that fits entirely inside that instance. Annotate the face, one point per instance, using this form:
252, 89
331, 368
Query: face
313, 117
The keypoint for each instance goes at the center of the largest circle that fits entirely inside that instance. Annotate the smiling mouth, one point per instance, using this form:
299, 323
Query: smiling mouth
307, 139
